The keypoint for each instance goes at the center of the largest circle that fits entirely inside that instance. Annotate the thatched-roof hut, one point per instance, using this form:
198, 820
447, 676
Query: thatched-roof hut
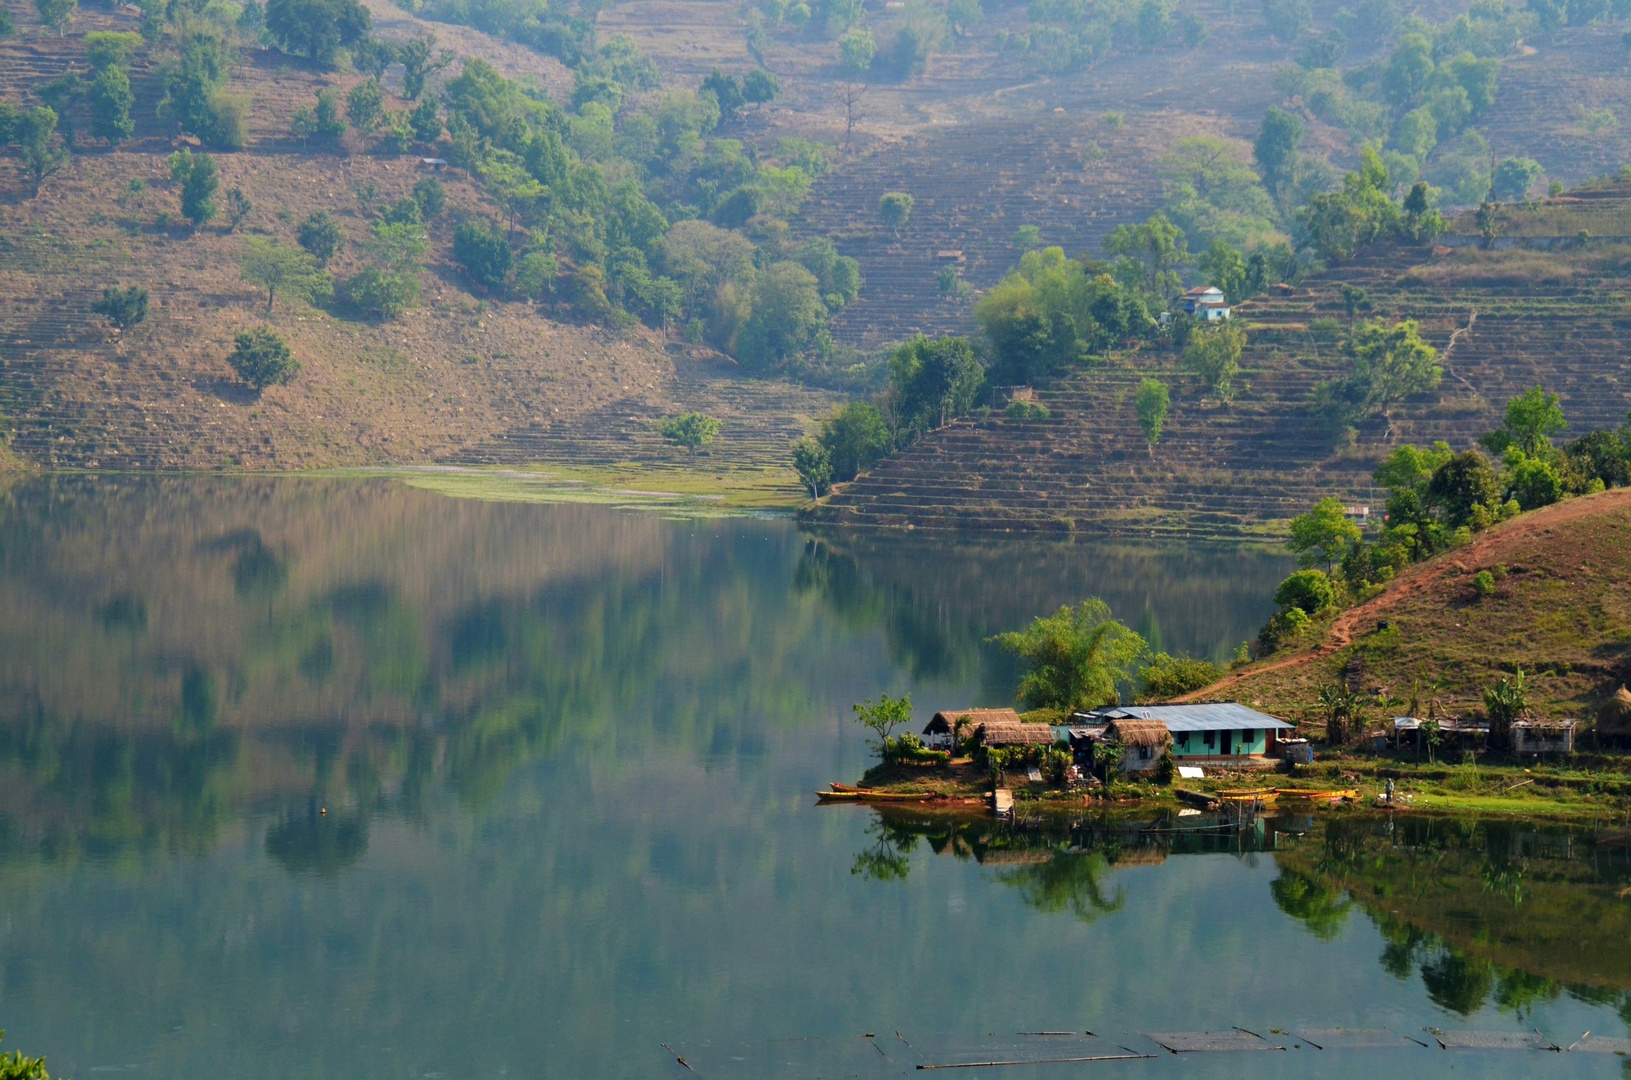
1003, 735
941, 731
1614, 718
1142, 742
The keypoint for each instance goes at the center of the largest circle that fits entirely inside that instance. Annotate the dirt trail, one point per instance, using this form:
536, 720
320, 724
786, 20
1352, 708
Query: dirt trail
1487, 549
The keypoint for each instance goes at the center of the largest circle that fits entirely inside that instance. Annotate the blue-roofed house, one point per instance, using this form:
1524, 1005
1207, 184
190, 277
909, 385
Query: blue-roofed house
1216, 733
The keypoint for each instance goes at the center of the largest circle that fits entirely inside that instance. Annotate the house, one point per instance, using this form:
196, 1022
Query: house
1142, 742
1543, 736
1207, 303
993, 736
1222, 732
941, 732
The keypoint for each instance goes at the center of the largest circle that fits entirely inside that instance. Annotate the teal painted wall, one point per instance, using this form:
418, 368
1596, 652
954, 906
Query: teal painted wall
1196, 747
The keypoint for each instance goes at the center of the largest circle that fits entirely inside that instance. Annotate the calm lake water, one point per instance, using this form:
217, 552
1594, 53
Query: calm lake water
566, 757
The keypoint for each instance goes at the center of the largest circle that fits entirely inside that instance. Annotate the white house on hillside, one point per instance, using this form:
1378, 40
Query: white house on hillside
1206, 302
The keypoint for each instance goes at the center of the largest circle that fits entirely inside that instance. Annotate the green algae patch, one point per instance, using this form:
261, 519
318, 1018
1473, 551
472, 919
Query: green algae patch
690, 491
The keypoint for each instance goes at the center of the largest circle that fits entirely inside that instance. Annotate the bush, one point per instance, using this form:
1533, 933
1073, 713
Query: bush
320, 235
261, 359
431, 197
1284, 627
1021, 411
125, 307
895, 208
1483, 583
1306, 591
1167, 677
483, 253
381, 293
199, 179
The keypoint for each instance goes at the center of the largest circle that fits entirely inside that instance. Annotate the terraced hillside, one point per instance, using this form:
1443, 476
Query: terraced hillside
450, 380
1505, 319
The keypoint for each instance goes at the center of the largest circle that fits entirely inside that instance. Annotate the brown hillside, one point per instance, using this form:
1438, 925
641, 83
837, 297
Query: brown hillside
459, 377
1562, 612
1542, 308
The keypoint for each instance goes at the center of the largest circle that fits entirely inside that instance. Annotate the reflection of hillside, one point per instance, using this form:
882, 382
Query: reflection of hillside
174, 652
939, 597
1500, 911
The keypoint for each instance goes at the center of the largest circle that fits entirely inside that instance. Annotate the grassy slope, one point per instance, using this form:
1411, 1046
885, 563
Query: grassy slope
459, 377
1562, 613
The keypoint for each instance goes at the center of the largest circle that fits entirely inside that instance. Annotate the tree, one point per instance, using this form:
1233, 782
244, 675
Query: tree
57, 14
124, 307
1214, 356
727, 91
326, 122
261, 359
31, 129
1075, 658
110, 100
1276, 148
431, 197
14, 1066
1309, 591
273, 266
760, 86
1224, 269
483, 252
884, 717
1505, 702
1323, 534
856, 50
199, 179
854, 437
1151, 404
1166, 677
420, 60
1463, 484
365, 106
193, 79
691, 430
932, 381
1514, 177
1532, 418
814, 466
316, 28
895, 207
238, 208
381, 293
320, 235
850, 95
786, 314
1152, 252
1387, 364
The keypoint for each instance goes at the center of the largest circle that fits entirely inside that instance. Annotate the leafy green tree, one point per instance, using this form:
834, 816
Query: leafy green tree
1514, 177
1309, 591
270, 265
1505, 702
727, 91
1386, 365
110, 100
1409, 68
884, 717
1166, 677
238, 208
1601, 455
854, 436
1154, 23
261, 358
365, 106
320, 235
431, 197
1534, 482
895, 208
786, 315
814, 465
57, 14
932, 381
1151, 404
326, 117
1156, 247
1336, 224
421, 59
316, 28
193, 81
199, 180
123, 307
483, 252
1213, 355
760, 86
14, 1066
1075, 658
425, 121
856, 50
1463, 485
1323, 534
1224, 268
1278, 138
1532, 418
691, 430
31, 130
381, 293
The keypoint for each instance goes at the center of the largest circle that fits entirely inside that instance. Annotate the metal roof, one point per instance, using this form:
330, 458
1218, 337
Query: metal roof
1216, 716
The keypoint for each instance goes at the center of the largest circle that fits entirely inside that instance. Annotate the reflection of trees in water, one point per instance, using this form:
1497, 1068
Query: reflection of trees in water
315, 843
1455, 899
888, 858
1068, 881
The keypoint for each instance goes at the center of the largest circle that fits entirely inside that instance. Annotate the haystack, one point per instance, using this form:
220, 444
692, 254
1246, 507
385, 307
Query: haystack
1614, 718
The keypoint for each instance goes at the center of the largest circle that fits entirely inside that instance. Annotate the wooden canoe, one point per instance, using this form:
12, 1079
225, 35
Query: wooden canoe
874, 796
1248, 796
839, 796
1244, 793
1332, 796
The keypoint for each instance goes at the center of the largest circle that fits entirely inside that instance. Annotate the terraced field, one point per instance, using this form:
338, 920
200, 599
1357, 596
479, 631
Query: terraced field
1505, 319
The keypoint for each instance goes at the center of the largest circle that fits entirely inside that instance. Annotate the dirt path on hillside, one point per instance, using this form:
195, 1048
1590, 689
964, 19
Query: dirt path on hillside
1487, 549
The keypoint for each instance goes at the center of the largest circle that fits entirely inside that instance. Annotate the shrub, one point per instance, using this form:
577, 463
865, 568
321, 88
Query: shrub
261, 359
125, 307
1167, 677
895, 208
320, 235
691, 430
483, 253
1021, 411
1483, 583
535, 275
431, 197
381, 293
1307, 591
199, 179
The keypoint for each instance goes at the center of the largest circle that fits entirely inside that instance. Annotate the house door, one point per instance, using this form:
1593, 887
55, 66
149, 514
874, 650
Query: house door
1226, 746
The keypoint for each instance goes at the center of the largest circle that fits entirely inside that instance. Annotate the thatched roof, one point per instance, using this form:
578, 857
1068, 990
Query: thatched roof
946, 720
1139, 732
1615, 716
1016, 734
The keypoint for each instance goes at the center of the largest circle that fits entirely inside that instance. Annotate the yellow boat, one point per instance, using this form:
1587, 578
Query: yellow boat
855, 795
1261, 795
1327, 796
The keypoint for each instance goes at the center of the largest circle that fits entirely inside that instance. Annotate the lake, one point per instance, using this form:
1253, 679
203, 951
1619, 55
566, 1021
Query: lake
341, 778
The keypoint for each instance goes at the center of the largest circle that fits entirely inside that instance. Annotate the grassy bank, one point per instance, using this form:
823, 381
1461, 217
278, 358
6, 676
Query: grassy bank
700, 490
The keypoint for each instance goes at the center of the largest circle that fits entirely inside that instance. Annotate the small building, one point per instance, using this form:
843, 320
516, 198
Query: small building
1543, 736
995, 736
1142, 743
1222, 731
1207, 303
941, 732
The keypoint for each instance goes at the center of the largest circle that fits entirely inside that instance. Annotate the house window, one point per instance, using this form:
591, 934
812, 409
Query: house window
1248, 736
1212, 739
1144, 752
1183, 741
